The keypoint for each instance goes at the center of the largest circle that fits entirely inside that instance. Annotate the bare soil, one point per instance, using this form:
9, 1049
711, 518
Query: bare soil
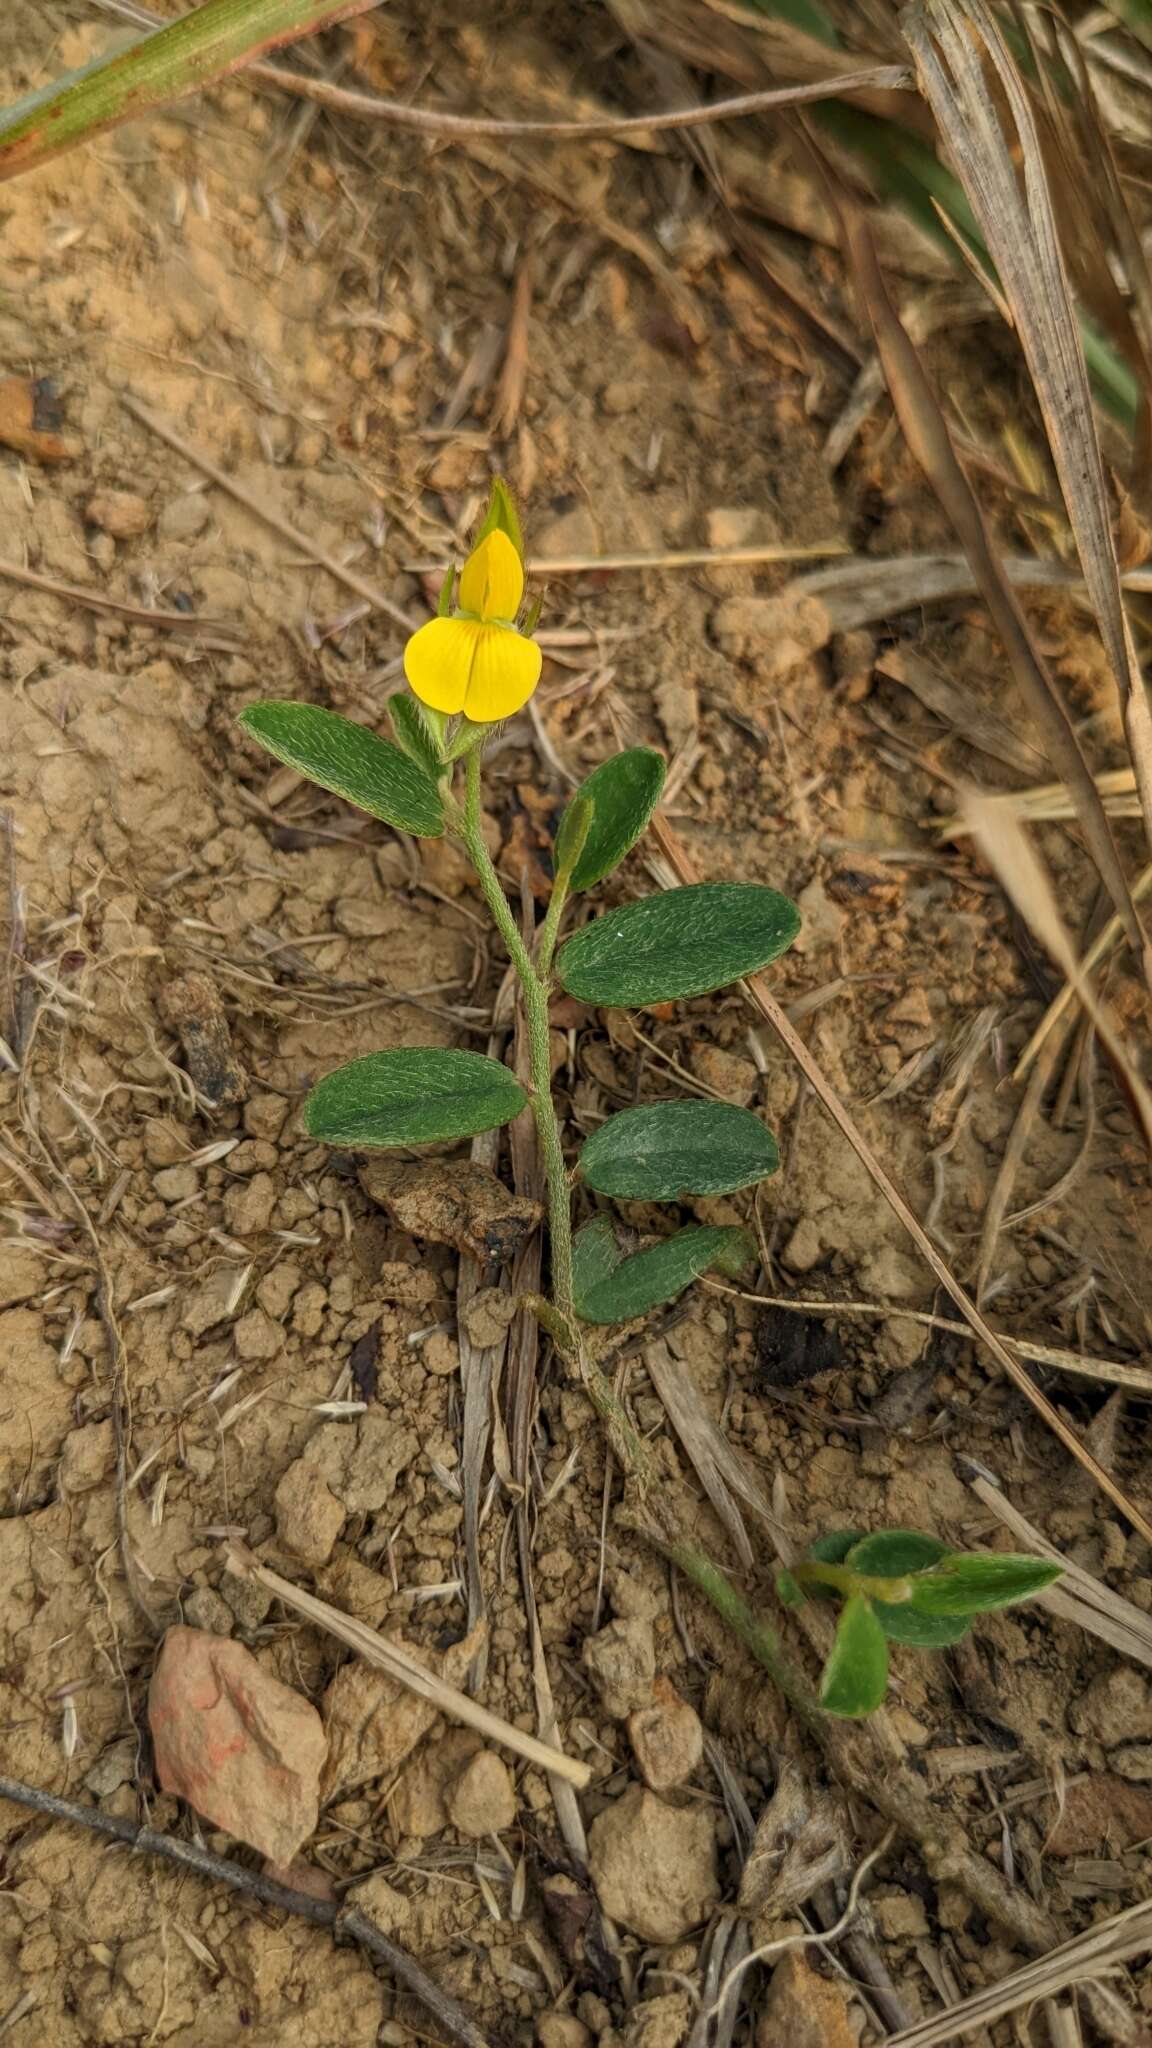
321, 310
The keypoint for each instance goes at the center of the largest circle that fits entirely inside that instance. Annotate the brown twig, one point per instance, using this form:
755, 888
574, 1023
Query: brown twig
140, 615
875, 77
344, 1922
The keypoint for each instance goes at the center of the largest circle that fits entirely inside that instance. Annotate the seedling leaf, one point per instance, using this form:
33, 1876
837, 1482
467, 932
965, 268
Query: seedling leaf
856, 1673
892, 1553
663, 1150
352, 762
684, 942
411, 1096
924, 1631
614, 1293
624, 791
975, 1582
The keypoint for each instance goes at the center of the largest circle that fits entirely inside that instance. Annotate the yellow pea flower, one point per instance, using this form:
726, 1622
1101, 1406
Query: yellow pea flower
476, 661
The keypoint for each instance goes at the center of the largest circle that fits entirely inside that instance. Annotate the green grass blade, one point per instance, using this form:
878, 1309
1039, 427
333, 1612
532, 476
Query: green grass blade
154, 70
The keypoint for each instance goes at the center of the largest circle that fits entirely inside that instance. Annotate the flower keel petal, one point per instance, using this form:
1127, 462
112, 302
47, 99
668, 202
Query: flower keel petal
492, 579
439, 659
505, 671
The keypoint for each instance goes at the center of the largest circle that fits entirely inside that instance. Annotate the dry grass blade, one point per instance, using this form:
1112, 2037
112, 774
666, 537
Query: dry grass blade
720, 1469
187, 623
1092, 1955
926, 432
955, 704
1101, 946
400, 114
1078, 1596
1005, 180
759, 995
399, 1664
997, 831
1107, 1372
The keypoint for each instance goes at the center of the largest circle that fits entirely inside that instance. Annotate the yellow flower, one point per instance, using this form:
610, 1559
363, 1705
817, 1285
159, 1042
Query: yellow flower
476, 661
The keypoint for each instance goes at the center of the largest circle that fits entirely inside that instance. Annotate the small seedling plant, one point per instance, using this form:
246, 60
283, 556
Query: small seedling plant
472, 666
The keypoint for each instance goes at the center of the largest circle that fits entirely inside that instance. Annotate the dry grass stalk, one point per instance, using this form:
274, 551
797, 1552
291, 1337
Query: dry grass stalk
1078, 1596
1025, 880
1005, 180
1108, 1372
1047, 803
168, 622
1102, 944
723, 1474
1086, 1958
926, 432
759, 995
400, 1665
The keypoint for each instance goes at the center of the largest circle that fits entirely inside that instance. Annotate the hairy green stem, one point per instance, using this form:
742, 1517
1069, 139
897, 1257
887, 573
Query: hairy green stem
558, 1316
534, 986
730, 1605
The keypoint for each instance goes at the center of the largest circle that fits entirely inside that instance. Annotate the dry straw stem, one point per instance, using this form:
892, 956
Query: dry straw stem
1101, 945
722, 1472
772, 1013
926, 432
1108, 1372
403, 1667
168, 622
997, 831
348, 1922
1005, 180
1078, 1597
400, 114
1085, 1958
1046, 803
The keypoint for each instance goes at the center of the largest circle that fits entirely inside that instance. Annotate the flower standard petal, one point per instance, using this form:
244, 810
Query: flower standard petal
492, 579
505, 671
438, 662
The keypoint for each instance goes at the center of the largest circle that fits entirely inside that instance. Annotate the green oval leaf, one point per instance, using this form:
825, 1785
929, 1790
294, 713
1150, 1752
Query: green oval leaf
614, 1292
893, 1553
415, 738
624, 792
410, 1096
682, 943
975, 1582
667, 1149
352, 762
834, 1547
856, 1673
923, 1631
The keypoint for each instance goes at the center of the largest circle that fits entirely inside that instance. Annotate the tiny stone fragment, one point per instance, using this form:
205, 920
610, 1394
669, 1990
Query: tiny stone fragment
667, 1738
239, 1746
192, 1008
654, 1866
487, 1316
621, 1661
123, 514
804, 2008
482, 1800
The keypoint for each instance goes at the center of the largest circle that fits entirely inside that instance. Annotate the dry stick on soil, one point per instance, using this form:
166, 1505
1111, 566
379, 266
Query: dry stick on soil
404, 1668
1005, 180
926, 433
344, 1922
1079, 1597
876, 77
1135, 1379
675, 558
1012, 1158
774, 1015
168, 622
1084, 1959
